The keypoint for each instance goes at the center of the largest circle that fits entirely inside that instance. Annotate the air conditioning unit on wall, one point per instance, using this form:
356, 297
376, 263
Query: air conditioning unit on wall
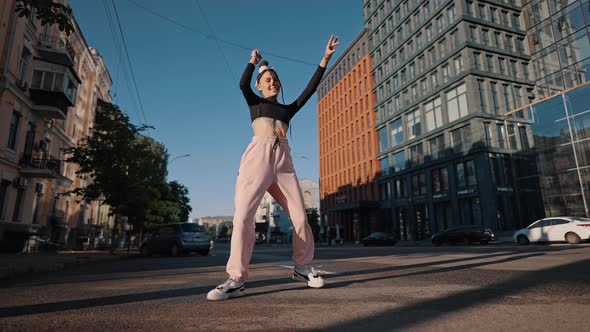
23, 85
21, 182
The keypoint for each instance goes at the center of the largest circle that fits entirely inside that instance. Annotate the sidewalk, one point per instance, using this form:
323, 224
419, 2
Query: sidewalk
501, 238
14, 265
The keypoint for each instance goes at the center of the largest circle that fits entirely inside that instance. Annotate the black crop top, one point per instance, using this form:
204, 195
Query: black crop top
261, 107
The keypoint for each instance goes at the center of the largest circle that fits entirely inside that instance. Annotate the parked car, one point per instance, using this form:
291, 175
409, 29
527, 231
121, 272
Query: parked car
466, 234
555, 229
175, 239
379, 239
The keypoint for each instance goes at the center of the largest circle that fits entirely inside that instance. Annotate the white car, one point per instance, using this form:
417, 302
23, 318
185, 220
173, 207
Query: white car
555, 229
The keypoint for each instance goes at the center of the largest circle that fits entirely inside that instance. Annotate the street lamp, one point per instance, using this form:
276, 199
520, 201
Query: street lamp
173, 159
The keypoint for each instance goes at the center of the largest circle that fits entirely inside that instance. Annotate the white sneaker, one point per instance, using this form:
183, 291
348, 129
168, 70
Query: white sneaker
308, 274
230, 288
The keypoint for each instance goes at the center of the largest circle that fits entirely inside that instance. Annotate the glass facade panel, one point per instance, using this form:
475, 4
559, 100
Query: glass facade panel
558, 168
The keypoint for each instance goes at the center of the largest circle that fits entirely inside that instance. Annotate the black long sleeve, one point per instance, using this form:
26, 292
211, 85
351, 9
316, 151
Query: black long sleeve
251, 97
309, 89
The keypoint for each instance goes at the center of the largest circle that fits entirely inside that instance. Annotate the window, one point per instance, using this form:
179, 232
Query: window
476, 59
419, 41
485, 33
494, 97
397, 136
445, 73
481, 9
454, 39
437, 147
440, 23
417, 154
502, 63
504, 18
457, 103
487, 133
452, 13
458, 65
431, 56
466, 176
507, 97
524, 139
440, 180
515, 21
470, 211
4, 185
13, 131
470, 10
400, 188
433, 112
442, 47
434, 80
497, 40
399, 161
512, 137
500, 134
429, 33
513, 70
23, 66
520, 45
517, 97
426, 8
490, 63
482, 96
460, 138
508, 43
414, 129
493, 13
423, 86
18, 203
473, 33
384, 163
383, 139
418, 184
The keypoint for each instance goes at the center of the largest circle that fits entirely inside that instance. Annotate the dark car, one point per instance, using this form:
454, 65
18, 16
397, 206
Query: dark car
464, 235
175, 239
379, 239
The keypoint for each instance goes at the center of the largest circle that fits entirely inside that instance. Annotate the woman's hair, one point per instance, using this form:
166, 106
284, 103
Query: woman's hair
262, 64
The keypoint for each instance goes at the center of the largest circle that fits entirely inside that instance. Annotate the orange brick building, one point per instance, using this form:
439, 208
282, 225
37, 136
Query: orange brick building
348, 145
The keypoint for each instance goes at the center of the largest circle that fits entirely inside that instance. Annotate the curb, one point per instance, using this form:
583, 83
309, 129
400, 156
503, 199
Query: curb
12, 272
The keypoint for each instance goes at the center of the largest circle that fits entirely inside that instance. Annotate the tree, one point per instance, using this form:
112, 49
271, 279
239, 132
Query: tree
48, 12
179, 194
125, 169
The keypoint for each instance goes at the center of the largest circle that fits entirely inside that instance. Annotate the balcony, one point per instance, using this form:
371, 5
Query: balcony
56, 50
53, 89
48, 167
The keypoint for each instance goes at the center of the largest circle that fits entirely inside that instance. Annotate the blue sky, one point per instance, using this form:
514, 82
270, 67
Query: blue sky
189, 85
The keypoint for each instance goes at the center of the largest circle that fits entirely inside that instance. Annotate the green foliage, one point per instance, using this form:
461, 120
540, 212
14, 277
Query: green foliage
127, 171
48, 12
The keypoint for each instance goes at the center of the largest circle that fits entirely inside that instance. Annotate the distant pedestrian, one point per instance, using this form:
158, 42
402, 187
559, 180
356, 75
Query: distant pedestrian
266, 165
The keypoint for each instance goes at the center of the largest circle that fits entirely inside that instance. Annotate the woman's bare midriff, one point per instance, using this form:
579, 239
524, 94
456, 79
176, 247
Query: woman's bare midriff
264, 126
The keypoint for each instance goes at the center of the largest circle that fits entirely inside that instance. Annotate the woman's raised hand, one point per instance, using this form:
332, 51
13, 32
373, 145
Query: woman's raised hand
330, 48
255, 57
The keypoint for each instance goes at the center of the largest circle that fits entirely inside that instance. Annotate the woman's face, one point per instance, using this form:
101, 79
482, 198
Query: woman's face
269, 85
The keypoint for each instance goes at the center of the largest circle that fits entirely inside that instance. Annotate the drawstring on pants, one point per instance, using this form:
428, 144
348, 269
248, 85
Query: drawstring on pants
276, 144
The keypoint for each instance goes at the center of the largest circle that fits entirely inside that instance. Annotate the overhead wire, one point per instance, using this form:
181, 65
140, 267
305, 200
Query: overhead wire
121, 66
145, 121
212, 36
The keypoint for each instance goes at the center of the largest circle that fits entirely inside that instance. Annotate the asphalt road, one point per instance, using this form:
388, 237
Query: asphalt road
488, 288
